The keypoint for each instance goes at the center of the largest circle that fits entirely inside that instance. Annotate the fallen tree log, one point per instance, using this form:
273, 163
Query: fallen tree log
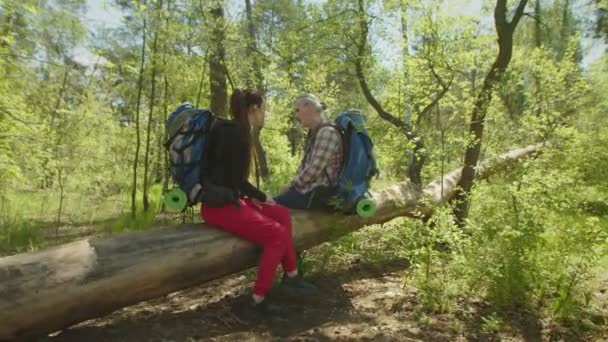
48, 290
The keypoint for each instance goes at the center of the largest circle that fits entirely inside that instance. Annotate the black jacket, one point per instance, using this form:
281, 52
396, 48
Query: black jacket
224, 179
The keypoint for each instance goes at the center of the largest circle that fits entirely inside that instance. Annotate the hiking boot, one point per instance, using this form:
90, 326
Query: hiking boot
296, 287
249, 310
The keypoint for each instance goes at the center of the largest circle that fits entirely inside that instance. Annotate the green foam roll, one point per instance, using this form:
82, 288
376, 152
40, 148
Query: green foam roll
176, 199
366, 208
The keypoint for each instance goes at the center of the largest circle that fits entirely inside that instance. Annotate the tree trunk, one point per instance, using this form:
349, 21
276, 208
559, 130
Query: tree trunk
601, 20
505, 31
137, 135
217, 67
47, 180
256, 78
60, 181
293, 136
165, 170
565, 30
146, 186
166, 174
48, 290
538, 43
538, 28
260, 154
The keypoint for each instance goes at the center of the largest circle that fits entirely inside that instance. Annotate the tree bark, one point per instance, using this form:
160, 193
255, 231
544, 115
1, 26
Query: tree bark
538, 28
538, 43
47, 180
565, 30
217, 67
140, 82
146, 186
165, 170
61, 183
260, 154
48, 290
505, 31
256, 78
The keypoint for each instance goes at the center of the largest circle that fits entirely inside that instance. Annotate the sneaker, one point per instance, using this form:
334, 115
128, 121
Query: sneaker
249, 310
297, 287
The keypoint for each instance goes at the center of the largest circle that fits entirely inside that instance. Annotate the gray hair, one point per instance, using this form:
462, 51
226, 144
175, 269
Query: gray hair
309, 99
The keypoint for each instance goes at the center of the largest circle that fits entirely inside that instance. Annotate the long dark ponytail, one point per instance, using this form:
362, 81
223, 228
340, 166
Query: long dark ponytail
240, 103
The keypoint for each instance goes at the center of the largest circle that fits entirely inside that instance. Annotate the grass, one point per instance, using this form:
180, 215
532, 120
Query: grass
28, 220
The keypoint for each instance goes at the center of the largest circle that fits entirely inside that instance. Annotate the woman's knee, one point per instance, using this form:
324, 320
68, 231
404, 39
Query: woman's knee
275, 234
283, 215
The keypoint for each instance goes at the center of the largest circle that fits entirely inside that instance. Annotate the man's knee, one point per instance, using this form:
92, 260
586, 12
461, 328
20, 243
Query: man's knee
282, 199
292, 199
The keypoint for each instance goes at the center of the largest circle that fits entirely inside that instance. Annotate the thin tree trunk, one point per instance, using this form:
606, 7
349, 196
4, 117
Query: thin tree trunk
217, 67
146, 186
60, 181
200, 84
538, 41
565, 31
60, 97
601, 17
538, 29
256, 78
418, 158
407, 108
505, 31
55, 136
140, 82
157, 170
293, 133
165, 171
58, 139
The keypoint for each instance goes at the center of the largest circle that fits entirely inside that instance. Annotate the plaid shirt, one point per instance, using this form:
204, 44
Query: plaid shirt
322, 160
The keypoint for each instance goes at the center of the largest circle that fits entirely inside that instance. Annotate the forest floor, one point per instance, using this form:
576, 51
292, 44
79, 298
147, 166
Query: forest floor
361, 300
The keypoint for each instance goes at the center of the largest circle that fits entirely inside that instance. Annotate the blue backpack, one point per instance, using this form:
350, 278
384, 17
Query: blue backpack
359, 162
188, 127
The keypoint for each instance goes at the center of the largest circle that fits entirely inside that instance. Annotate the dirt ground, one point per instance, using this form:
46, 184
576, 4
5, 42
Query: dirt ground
359, 302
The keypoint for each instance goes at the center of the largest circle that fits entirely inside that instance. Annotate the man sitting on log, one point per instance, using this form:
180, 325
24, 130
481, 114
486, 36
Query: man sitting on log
314, 183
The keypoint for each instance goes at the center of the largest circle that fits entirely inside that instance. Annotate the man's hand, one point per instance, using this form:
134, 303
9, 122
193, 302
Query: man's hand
285, 189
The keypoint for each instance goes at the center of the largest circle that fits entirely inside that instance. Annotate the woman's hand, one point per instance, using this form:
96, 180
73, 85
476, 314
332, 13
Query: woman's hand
269, 200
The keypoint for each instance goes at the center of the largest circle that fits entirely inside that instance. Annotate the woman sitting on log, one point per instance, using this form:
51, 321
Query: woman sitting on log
248, 212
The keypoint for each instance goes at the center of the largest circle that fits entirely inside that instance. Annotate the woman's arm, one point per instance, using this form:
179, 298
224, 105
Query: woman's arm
251, 191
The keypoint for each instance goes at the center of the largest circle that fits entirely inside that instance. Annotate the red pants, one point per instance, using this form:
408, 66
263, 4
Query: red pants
265, 225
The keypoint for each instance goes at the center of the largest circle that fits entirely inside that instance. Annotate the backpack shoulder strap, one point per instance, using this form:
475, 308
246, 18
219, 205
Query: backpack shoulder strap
217, 124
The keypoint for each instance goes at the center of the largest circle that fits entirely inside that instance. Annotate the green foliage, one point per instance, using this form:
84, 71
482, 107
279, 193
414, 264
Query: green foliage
535, 234
435, 250
530, 237
533, 242
491, 324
